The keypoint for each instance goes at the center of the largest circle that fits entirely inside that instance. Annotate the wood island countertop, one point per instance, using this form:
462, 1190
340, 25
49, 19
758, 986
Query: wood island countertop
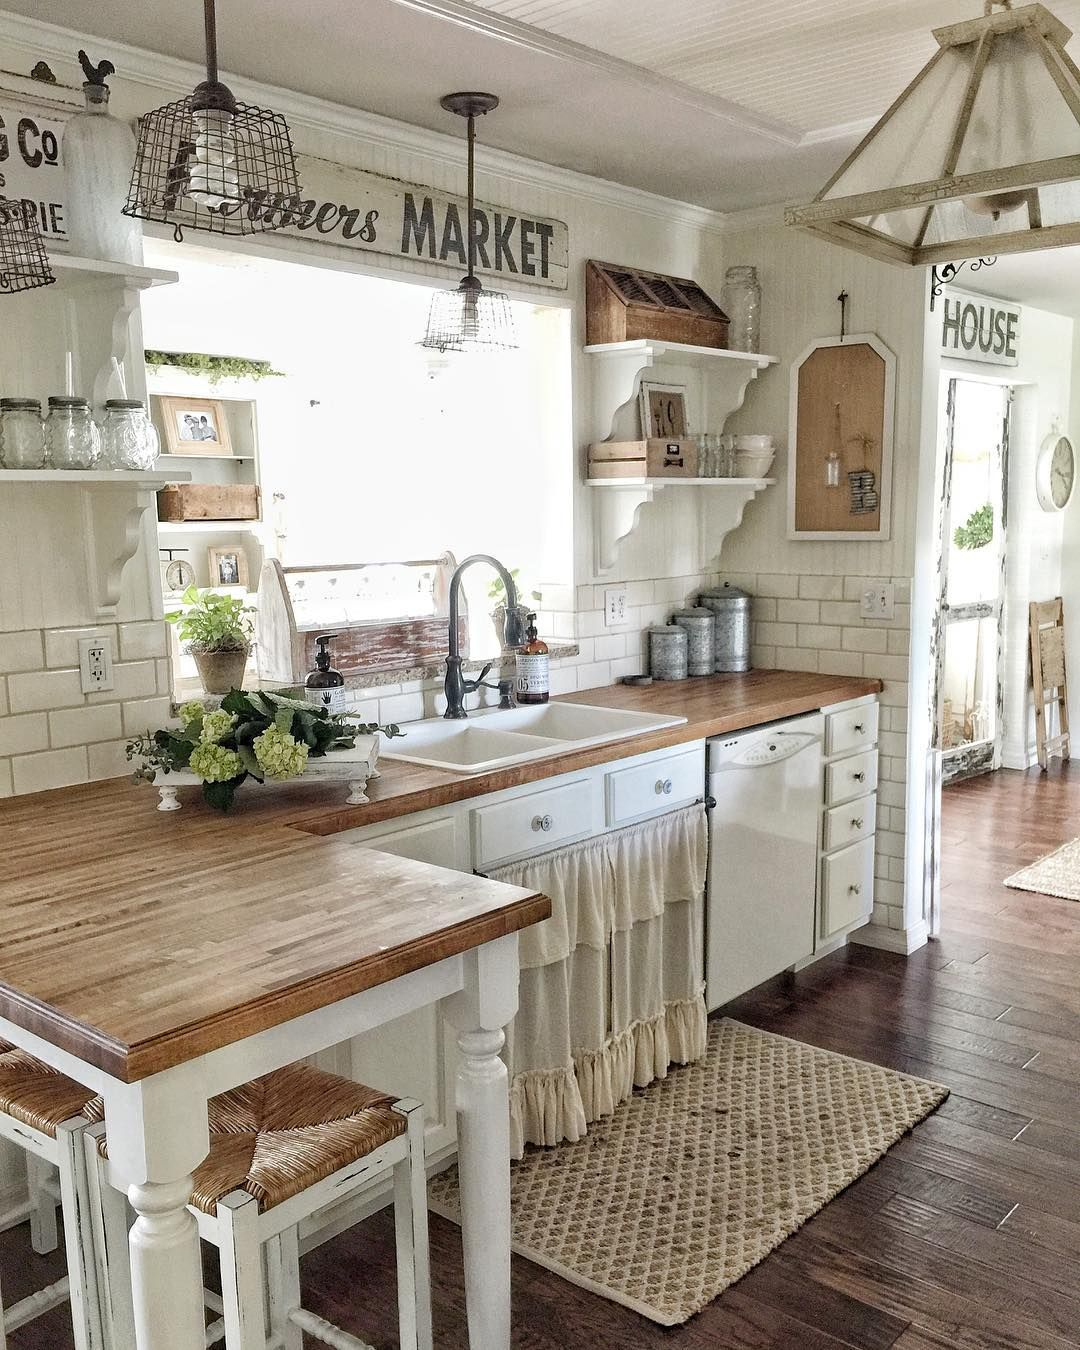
130, 935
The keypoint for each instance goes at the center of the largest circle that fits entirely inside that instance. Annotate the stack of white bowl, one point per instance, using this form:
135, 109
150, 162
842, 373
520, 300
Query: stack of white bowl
753, 456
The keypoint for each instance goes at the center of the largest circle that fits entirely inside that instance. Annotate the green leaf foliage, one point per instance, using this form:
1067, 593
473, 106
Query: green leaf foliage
977, 530
214, 368
213, 622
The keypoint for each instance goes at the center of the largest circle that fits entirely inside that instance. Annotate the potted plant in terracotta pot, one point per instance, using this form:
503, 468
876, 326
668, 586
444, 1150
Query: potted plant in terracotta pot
218, 635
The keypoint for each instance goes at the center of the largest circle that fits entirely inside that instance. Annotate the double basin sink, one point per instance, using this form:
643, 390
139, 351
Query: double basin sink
500, 737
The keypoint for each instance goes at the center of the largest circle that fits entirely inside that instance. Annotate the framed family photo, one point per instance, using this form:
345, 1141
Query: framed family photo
195, 426
228, 566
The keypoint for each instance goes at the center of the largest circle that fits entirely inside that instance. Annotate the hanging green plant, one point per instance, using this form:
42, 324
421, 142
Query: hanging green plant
977, 530
214, 368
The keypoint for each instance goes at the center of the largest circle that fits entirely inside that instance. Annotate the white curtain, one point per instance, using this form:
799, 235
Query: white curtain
611, 985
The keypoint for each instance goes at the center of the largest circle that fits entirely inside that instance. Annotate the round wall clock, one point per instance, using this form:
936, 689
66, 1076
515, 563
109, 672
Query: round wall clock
1055, 473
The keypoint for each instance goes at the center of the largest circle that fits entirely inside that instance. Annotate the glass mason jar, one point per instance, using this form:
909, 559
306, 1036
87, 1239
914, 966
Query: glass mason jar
71, 438
22, 434
128, 438
742, 300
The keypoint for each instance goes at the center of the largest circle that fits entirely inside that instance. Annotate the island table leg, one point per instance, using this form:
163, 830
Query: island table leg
487, 1003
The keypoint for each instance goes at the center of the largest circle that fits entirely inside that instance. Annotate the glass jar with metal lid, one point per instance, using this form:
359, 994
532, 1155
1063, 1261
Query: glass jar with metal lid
667, 652
731, 648
71, 438
700, 625
22, 434
128, 437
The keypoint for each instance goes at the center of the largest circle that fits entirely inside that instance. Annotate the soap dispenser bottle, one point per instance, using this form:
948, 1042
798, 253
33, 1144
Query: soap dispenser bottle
325, 685
533, 674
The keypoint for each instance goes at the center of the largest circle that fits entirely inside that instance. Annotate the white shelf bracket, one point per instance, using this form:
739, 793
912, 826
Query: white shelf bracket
616, 516
112, 529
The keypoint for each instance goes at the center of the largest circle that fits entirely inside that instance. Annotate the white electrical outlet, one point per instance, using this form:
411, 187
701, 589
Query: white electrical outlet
95, 664
878, 602
614, 607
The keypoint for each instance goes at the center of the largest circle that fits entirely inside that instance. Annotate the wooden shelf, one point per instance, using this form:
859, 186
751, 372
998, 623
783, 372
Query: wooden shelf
187, 459
204, 526
73, 271
684, 352
617, 510
91, 478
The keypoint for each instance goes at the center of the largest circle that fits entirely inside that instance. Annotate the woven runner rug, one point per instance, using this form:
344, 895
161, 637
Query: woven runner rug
698, 1177
1056, 874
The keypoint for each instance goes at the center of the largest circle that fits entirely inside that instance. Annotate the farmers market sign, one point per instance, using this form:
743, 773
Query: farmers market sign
977, 328
365, 211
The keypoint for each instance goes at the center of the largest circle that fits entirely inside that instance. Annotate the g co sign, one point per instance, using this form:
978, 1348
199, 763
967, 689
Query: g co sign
977, 328
31, 168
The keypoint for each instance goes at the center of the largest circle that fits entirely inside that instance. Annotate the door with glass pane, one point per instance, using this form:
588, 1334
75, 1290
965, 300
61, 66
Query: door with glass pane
973, 581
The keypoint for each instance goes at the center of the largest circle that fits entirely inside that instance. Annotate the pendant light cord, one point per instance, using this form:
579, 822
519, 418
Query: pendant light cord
469, 209
210, 17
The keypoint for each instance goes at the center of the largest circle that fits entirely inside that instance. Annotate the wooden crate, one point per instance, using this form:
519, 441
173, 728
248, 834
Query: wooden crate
652, 458
208, 501
625, 303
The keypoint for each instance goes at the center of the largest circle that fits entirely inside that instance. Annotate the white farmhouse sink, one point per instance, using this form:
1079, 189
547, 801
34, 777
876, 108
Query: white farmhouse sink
497, 738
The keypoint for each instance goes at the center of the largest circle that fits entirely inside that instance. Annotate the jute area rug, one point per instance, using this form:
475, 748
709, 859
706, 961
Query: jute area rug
698, 1177
1056, 874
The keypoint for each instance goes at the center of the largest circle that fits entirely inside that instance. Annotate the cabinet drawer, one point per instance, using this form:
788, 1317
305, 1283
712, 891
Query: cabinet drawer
533, 824
849, 822
847, 887
851, 729
851, 777
656, 786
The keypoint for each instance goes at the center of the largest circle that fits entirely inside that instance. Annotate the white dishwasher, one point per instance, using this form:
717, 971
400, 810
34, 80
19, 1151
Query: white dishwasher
764, 820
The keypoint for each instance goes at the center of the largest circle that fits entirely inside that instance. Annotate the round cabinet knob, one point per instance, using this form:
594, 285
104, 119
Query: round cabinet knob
856, 822
542, 823
855, 888
860, 727
860, 777
664, 787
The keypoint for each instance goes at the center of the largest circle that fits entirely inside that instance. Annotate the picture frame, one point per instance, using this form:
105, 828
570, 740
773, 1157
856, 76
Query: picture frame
852, 379
195, 426
228, 566
663, 411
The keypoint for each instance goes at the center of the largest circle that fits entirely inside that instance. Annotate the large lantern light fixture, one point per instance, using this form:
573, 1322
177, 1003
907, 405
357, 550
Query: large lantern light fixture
979, 155
209, 162
470, 318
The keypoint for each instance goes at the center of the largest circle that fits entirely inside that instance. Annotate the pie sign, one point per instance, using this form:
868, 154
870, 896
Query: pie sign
979, 328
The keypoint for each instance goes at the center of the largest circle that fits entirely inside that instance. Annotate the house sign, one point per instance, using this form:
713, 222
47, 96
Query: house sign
980, 328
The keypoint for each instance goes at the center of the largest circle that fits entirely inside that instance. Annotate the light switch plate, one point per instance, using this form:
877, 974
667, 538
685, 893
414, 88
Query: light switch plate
878, 602
95, 664
615, 607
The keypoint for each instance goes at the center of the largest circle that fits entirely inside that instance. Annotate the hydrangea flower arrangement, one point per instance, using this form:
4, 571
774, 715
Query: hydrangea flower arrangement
265, 736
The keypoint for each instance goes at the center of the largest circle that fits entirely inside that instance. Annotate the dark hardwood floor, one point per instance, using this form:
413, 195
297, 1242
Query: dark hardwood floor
966, 1235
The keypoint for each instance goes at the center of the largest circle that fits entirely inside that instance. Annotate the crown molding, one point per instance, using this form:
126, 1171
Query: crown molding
174, 76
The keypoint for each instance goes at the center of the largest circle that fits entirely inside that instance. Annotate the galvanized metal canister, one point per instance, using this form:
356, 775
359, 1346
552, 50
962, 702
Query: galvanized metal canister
667, 652
731, 646
700, 625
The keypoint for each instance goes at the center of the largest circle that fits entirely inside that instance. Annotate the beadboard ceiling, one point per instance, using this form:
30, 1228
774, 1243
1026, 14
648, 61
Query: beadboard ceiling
728, 104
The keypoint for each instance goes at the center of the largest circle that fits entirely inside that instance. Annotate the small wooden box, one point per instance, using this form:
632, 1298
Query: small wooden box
208, 501
625, 303
653, 458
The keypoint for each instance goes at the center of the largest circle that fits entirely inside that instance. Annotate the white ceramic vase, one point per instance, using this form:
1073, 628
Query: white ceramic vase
99, 152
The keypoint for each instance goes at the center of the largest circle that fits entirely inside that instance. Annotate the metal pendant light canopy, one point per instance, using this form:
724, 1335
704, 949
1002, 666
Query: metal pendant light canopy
470, 318
209, 162
24, 264
979, 155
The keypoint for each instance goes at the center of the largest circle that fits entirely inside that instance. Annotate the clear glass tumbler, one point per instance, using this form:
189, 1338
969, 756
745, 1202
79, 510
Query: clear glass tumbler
22, 434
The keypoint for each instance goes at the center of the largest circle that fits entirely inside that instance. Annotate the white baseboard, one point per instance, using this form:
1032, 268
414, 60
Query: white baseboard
902, 940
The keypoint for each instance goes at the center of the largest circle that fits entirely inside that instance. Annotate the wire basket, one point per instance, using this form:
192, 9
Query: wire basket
238, 162
470, 318
24, 264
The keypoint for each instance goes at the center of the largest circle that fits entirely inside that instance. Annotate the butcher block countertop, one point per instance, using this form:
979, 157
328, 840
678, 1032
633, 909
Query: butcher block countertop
137, 938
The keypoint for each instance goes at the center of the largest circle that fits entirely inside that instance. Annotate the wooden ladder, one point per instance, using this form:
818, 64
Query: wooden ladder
1047, 622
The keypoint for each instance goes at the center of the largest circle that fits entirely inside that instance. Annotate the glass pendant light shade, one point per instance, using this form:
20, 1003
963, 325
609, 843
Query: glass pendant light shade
470, 318
24, 264
208, 162
979, 155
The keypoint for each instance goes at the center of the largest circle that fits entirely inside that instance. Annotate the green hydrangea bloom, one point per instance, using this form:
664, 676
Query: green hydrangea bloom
217, 725
191, 712
279, 755
214, 764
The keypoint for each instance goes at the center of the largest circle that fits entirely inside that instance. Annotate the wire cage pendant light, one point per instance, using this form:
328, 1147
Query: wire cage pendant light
470, 318
24, 264
209, 162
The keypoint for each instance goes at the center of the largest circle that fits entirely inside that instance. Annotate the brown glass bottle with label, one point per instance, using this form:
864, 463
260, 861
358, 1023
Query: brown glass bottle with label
533, 677
325, 686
